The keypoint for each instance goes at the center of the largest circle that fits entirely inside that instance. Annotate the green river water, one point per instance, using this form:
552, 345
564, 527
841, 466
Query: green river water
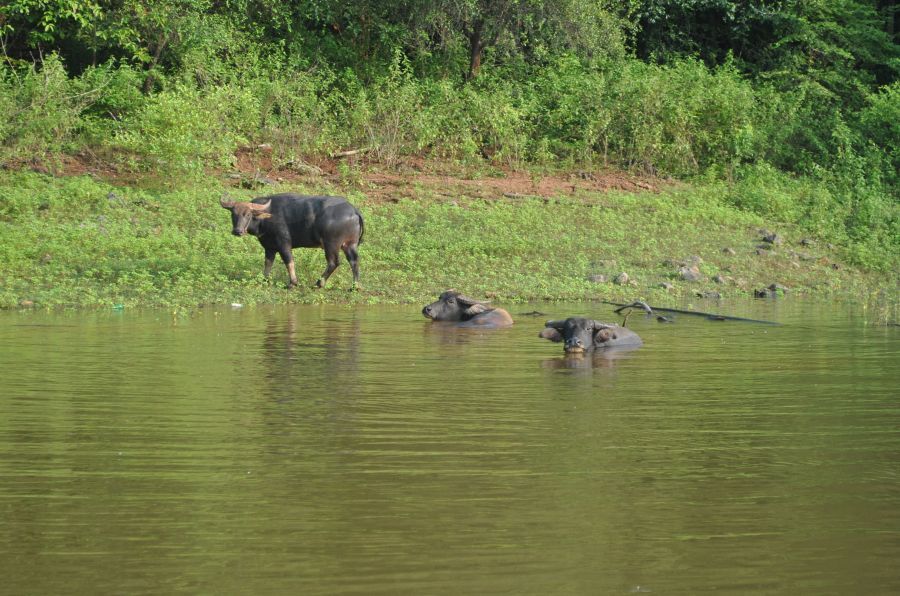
337, 450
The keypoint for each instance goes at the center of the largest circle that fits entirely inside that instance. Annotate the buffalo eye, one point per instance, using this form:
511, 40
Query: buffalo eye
451, 301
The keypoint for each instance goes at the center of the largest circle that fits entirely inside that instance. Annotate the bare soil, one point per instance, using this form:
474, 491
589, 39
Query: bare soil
407, 178
256, 168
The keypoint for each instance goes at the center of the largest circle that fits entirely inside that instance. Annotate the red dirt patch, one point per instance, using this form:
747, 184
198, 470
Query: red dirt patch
510, 184
257, 167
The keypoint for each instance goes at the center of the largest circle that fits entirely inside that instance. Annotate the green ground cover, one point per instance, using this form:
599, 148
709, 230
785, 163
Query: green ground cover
79, 242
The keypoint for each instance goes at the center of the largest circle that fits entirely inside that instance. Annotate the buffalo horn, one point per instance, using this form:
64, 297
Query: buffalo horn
226, 204
260, 207
470, 301
476, 309
558, 325
551, 334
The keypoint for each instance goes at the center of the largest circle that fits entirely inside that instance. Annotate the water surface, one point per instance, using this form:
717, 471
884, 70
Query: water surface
332, 450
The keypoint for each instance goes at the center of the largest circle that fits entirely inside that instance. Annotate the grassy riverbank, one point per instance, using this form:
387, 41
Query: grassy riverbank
75, 241
521, 149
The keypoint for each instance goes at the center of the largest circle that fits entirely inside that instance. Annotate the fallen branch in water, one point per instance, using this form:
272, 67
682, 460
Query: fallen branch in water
636, 304
711, 316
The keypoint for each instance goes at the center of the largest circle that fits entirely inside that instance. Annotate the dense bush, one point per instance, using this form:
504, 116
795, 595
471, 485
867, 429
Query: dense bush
880, 129
42, 107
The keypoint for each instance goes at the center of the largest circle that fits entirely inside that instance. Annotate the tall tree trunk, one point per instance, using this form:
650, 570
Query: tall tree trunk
892, 19
151, 78
889, 9
476, 47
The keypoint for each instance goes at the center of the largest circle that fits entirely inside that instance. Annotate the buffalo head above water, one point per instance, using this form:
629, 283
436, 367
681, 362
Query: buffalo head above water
451, 306
584, 335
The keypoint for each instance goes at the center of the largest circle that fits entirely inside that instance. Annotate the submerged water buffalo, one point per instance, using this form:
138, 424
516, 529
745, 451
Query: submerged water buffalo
285, 221
584, 335
451, 306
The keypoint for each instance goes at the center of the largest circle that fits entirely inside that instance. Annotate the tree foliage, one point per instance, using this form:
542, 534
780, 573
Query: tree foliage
533, 29
843, 44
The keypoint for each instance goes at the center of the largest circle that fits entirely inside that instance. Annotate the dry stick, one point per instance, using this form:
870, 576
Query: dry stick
349, 153
636, 304
711, 316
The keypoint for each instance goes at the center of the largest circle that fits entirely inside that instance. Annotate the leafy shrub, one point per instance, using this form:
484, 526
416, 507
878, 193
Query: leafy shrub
8, 104
495, 122
880, 125
678, 119
41, 106
567, 112
117, 87
800, 125
293, 115
450, 131
184, 127
395, 118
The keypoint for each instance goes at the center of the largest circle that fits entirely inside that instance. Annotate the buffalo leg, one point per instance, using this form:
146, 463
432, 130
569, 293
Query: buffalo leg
353, 258
288, 259
331, 256
270, 260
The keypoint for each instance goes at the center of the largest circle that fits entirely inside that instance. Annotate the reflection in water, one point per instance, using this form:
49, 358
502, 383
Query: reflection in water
329, 450
298, 344
452, 333
589, 360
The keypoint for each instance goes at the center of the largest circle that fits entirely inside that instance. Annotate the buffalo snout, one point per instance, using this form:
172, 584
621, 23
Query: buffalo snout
574, 345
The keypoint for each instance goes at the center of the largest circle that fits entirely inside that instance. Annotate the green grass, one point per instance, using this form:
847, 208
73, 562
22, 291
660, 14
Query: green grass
78, 242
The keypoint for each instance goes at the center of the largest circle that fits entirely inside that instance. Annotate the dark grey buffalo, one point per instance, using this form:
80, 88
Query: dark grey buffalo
584, 335
286, 221
451, 306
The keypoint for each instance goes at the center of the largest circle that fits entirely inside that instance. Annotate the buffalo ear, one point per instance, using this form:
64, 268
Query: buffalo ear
475, 309
551, 333
603, 332
602, 335
262, 215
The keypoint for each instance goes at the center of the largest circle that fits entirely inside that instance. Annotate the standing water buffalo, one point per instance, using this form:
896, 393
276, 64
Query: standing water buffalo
286, 221
451, 306
584, 335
